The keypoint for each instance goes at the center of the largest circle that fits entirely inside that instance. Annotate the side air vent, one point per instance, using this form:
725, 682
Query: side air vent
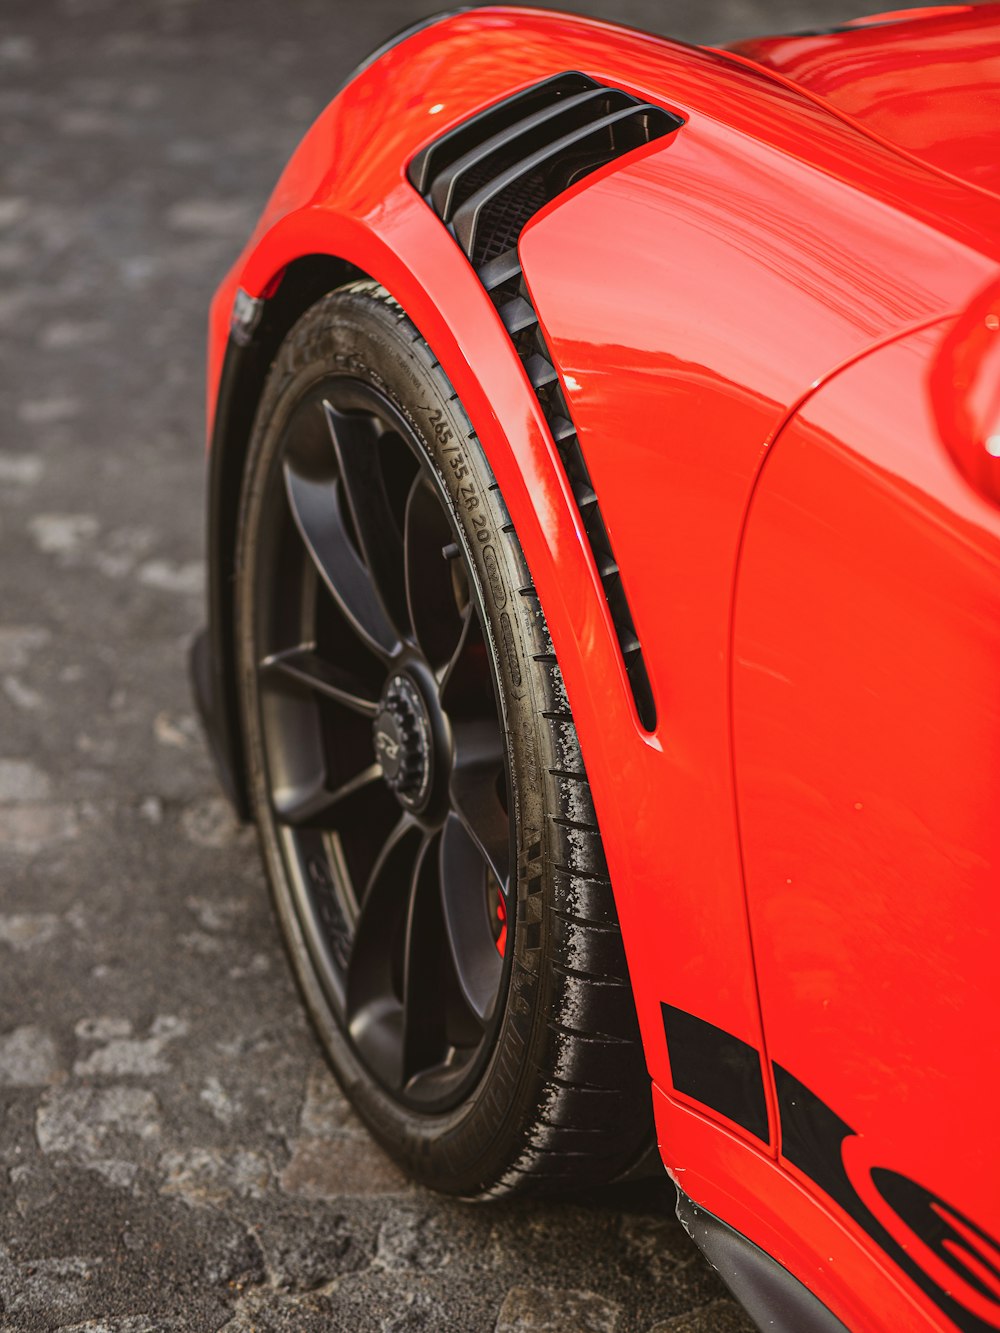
485, 179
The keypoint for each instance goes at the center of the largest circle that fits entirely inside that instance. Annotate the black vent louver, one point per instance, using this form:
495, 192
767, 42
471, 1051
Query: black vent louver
485, 179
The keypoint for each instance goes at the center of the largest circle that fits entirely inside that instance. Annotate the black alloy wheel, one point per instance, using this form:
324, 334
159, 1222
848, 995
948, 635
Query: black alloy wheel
424, 816
385, 741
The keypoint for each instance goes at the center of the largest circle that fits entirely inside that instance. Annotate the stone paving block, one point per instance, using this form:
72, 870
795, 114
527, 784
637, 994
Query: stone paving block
719, 1317
28, 1058
544, 1310
334, 1168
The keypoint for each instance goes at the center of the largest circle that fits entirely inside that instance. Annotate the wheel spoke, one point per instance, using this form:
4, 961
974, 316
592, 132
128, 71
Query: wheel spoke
375, 1009
465, 680
355, 442
304, 666
424, 1036
314, 803
465, 904
317, 507
477, 775
431, 591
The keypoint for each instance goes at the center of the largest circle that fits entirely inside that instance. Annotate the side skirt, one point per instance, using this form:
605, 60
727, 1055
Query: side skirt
774, 1300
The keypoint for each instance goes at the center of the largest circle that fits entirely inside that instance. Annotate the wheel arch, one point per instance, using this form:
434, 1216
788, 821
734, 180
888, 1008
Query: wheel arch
280, 276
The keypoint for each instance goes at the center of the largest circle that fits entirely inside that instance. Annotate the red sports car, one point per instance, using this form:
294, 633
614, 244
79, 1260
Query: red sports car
605, 628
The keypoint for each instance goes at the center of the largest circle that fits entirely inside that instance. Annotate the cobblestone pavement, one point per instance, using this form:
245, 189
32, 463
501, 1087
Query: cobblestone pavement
173, 1153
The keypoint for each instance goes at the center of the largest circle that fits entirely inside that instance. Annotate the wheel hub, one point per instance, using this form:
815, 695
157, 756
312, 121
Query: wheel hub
401, 735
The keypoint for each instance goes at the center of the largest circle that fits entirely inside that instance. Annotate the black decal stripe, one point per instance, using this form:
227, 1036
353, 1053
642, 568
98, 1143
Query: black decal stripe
812, 1139
964, 1247
716, 1069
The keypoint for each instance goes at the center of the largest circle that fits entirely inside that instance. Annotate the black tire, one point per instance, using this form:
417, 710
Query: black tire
556, 1094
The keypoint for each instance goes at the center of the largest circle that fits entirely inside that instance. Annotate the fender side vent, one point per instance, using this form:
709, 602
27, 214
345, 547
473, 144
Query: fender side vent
485, 179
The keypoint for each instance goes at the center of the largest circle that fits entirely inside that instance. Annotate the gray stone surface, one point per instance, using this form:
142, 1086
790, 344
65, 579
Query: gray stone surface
173, 1154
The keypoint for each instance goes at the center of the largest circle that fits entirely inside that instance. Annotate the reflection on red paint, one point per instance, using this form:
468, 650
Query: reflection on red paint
931, 85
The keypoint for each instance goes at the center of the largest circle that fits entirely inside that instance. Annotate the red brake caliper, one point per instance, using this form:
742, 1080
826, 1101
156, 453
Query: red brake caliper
502, 918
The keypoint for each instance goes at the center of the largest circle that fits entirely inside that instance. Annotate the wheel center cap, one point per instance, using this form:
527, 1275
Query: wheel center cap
401, 735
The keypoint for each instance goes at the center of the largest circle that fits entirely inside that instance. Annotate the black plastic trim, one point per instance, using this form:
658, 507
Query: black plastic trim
485, 179
716, 1069
244, 369
205, 687
447, 181
484, 124
213, 664
467, 218
775, 1300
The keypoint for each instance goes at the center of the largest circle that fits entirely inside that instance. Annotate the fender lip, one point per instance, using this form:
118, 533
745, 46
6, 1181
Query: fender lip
211, 666
771, 1296
204, 689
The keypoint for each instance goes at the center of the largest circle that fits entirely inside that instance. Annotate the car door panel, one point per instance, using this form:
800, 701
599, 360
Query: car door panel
866, 705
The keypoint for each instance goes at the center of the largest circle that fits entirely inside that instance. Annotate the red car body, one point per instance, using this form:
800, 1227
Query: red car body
759, 323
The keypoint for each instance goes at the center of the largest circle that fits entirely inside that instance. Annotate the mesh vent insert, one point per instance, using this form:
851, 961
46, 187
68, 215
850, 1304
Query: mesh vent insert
485, 179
